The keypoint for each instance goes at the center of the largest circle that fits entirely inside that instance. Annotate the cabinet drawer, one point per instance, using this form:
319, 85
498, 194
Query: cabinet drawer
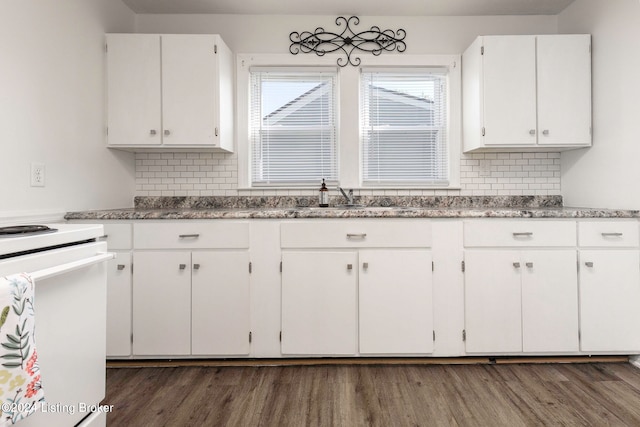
608, 233
344, 233
117, 236
488, 233
191, 235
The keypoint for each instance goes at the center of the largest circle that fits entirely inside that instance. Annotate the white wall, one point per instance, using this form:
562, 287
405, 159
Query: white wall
52, 106
270, 33
207, 174
607, 174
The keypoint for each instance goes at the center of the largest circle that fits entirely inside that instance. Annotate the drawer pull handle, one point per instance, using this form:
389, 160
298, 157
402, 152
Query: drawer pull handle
356, 235
523, 234
529, 265
588, 264
183, 266
120, 266
611, 234
189, 236
365, 265
196, 266
349, 266
516, 264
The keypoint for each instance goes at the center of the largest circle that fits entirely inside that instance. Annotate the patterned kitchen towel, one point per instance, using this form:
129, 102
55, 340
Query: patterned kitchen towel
20, 386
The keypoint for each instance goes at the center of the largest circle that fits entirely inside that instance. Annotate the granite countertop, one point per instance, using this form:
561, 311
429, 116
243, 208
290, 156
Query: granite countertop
175, 208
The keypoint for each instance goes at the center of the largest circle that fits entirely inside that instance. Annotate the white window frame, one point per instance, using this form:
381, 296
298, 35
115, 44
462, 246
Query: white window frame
349, 138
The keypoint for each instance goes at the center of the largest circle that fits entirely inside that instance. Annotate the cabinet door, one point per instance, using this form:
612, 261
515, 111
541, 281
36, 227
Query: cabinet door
492, 301
609, 295
509, 87
119, 305
564, 89
133, 89
188, 89
549, 301
220, 303
319, 302
395, 302
162, 303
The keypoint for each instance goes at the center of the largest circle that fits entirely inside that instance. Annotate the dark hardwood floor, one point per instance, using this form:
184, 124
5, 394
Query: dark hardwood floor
590, 394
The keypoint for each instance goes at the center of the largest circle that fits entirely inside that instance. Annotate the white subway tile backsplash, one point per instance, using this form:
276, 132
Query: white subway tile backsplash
216, 174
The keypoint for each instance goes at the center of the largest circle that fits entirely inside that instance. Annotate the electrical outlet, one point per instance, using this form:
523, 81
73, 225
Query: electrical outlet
37, 174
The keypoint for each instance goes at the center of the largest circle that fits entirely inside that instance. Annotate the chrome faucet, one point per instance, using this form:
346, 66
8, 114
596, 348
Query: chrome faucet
348, 196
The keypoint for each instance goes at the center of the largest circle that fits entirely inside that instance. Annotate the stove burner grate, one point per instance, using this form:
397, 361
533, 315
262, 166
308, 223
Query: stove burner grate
25, 230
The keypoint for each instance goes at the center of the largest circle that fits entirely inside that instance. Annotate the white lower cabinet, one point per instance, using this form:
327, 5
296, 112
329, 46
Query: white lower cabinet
369, 287
191, 303
395, 302
348, 302
119, 287
319, 291
549, 301
521, 287
119, 305
521, 301
354, 287
162, 303
609, 300
220, 303
609, 285
493, 321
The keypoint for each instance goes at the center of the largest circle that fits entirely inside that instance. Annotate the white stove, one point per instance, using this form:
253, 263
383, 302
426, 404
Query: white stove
68, 266
62, 234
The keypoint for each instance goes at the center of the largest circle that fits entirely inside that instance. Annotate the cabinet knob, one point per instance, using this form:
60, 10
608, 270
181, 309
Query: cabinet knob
588, 264
167, 132
365, 265
183, 266
545, 132
196, 266
152, 132
349, 266
516, 264
532, 132
120, 266
529, 265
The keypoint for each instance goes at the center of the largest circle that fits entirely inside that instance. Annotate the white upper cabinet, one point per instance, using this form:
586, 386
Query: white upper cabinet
522, 93
564, 90
134, 111
173, 91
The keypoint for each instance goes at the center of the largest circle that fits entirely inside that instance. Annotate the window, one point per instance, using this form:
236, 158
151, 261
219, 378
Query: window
293, 127
404, 127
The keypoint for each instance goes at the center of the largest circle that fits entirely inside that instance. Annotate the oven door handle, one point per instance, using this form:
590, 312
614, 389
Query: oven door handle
46, 273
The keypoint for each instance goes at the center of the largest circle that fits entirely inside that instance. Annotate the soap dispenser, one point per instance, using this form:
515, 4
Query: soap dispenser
323, 200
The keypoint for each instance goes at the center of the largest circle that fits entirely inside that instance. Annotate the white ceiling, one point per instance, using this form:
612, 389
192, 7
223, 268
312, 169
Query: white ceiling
353, 7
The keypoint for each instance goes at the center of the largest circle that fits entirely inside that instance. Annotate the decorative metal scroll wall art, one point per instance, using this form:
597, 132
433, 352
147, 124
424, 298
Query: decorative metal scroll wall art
373, 40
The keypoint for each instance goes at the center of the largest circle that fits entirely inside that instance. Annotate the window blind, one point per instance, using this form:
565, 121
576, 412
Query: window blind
404, 128
293, 127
